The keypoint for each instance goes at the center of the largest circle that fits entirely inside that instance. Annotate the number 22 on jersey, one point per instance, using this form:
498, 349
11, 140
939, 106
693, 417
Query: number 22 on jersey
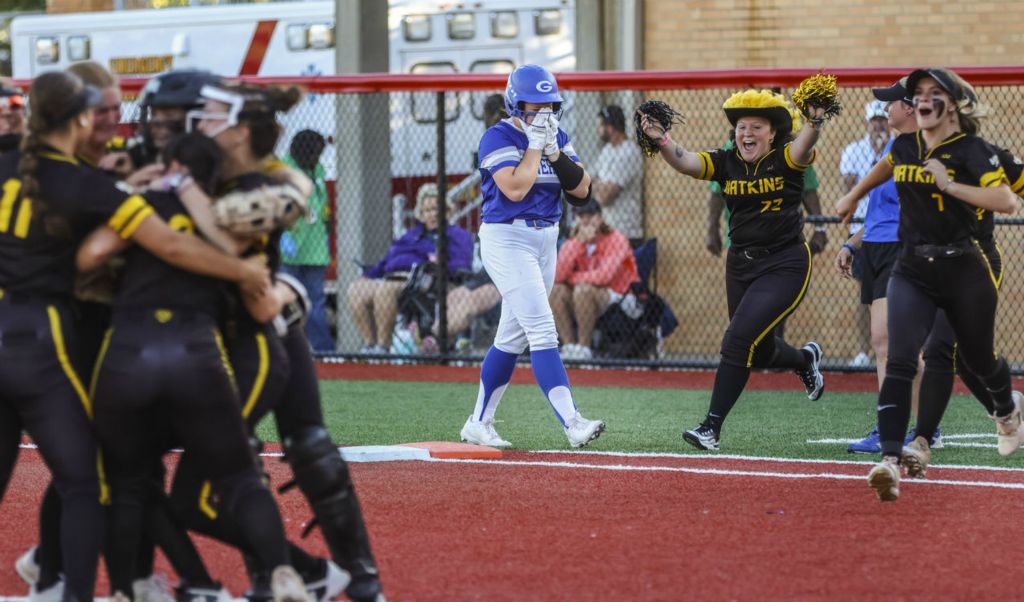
21, 222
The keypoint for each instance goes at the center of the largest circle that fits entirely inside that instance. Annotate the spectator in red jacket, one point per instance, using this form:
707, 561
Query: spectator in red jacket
595, 269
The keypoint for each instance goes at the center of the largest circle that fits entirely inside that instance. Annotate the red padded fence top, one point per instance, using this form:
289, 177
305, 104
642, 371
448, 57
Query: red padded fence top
614, 80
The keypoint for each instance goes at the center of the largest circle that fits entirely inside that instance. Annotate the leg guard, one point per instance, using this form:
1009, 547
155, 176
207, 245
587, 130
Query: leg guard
322, 476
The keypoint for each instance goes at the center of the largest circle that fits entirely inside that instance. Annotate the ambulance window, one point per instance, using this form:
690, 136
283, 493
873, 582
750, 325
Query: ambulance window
296, 37
47, 50
477, 98
547, 22
79, 48
321, 35
461, 26
416, 28
505, 24
424, 104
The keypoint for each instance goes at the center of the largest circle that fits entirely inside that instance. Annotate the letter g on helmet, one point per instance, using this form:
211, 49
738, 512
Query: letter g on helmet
534, 84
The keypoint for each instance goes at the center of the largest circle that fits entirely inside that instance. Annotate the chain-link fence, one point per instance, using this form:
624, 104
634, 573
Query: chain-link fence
383, 285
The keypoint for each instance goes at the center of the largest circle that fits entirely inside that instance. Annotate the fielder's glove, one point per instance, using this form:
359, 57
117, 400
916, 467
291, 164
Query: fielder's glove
261, 210
295, 312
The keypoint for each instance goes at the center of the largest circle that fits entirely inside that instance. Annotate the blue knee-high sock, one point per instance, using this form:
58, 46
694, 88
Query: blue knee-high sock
549, 371
495, 373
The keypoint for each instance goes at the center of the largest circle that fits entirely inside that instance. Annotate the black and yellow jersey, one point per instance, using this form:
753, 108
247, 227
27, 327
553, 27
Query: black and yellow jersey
39, 236
927, 215
1014, 169
146, 281
763, 198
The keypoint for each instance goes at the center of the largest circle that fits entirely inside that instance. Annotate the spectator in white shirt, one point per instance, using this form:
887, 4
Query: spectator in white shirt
618, 175
860, 156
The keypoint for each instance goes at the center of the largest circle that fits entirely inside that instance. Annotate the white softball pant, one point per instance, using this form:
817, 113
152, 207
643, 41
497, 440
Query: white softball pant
521, 261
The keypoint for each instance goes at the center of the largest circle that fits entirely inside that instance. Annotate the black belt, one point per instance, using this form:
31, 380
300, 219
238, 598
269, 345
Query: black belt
933, 252
135, 316
755, 252
19, 298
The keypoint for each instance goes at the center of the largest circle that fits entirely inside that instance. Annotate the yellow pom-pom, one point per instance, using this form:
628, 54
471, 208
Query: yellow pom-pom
819, 90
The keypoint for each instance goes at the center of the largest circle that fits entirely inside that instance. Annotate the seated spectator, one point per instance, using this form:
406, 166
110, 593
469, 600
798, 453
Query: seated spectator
373, 299
595, 269
618, 174
304, 252
474, 297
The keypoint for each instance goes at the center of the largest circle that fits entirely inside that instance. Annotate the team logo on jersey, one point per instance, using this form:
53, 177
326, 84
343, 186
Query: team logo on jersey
544, 86
947, 156
994, 161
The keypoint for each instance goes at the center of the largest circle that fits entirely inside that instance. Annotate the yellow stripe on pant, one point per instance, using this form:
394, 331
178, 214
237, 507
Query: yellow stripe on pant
788, 310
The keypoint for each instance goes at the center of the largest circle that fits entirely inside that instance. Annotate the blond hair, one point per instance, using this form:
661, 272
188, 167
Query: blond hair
93, 74
430, 190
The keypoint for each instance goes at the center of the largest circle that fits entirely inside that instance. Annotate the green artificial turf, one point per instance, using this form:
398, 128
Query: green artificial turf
650, 420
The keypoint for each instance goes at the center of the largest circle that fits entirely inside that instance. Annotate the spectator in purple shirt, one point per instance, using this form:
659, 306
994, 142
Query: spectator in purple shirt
373, 299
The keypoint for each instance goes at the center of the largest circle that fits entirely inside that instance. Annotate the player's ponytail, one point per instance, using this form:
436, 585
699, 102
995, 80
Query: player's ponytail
283, 99
55, 98
259, 113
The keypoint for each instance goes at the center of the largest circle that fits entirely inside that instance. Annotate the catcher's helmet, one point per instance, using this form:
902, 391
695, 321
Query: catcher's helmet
531, 83
178, 88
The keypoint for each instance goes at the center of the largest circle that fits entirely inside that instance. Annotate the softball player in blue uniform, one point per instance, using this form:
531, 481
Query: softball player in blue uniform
526, 163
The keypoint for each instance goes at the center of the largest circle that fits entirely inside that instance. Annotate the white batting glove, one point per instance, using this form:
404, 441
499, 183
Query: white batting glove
537, 132
551, 147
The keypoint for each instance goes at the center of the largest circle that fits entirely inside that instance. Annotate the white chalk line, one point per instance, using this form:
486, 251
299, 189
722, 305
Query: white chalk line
721, 472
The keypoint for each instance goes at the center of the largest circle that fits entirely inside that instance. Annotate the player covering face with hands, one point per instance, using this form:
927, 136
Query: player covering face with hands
526, 163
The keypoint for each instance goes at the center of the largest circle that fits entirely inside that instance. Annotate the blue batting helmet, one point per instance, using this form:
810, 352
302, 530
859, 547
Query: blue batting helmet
531, 83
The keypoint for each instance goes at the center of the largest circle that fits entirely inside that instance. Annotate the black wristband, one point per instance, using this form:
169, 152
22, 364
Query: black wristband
578, 202
569, 173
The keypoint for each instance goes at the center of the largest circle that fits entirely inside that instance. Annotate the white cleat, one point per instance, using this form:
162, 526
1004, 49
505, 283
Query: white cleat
334, 581
203, 594
27, 567
55, 593
287, 586
884, 478
581, 431
151, 589
1008, 428
916, 456
481, 432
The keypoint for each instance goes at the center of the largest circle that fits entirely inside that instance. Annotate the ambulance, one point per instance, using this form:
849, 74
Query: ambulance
297, 39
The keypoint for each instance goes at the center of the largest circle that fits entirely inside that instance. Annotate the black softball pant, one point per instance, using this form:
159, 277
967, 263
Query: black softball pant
40, 392
165, 373
964, 287
942, 362
762, 291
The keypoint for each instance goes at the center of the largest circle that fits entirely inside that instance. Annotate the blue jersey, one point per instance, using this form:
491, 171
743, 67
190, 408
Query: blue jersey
881, 223
503, 145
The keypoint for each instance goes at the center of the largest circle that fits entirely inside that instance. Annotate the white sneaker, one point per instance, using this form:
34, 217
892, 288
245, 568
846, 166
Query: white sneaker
1008, 428
27, 567
287, 586
884, 478
482, 433
151, 589
860, 361
55, 593
569, 351
334, 581
581, 431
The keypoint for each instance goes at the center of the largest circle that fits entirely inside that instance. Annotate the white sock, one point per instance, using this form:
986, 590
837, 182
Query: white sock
492, 403
561, 402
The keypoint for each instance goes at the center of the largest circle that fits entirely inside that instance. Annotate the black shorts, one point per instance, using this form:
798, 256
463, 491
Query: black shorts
876, 261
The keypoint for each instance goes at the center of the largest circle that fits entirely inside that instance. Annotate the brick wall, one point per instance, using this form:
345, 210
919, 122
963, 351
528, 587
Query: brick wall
712, 34
78, 6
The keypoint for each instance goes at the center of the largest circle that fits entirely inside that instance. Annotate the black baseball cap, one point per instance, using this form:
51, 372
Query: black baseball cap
589, 208
897, 91
942, 76
612, 115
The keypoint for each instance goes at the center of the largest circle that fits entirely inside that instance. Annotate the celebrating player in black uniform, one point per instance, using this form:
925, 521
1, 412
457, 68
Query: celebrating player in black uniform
769, 263
272, 376
49, 203
945, 178
941, 360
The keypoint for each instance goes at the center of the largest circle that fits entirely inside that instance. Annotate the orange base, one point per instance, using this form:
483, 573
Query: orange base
461, 451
